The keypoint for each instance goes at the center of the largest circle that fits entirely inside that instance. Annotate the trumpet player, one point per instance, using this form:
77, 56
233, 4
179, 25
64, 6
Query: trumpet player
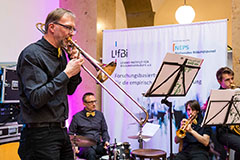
226, 136
46, 78
194, 139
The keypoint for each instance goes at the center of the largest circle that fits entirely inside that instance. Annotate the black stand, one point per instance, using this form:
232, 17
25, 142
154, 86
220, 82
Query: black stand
140, 139
231, 111
178, 81
232, 102
169, 104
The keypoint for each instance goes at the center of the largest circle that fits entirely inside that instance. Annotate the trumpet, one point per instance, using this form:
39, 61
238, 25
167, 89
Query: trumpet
234, 86
103, 74
235, 128
181, 132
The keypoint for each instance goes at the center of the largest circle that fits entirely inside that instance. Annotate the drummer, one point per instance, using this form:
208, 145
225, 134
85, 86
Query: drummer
91, 124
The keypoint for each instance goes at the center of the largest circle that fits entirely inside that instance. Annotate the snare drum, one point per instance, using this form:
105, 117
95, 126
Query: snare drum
119, 150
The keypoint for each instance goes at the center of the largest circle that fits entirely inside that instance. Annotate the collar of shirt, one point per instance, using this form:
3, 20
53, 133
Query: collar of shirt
48, 46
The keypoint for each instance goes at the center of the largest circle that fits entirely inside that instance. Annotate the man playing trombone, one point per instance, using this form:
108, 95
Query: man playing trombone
194, 138
45, 80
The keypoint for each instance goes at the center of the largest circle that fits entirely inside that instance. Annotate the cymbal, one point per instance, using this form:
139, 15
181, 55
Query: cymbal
82, 141
149, 120
137, 137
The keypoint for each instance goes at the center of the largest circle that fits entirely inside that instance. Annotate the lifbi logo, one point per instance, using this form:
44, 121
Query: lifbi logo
180, 47
119, 52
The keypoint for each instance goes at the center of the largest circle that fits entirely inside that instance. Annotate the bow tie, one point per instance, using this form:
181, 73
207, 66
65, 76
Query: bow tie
90, 113
59, 52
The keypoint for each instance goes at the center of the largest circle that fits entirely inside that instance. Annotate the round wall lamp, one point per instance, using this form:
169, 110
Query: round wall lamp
185, 14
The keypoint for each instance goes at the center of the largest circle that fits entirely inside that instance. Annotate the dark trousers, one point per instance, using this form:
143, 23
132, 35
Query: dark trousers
217, 146
192, 153
45, 143
231, 140
92, 153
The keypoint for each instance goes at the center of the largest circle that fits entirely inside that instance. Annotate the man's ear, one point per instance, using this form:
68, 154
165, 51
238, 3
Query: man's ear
51, 27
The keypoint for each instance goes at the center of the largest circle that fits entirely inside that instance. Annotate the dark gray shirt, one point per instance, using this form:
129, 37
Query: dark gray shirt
190, 140
91, 127
43, 85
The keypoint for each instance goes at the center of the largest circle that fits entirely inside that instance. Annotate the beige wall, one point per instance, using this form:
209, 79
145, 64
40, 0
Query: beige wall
236, 42
110, 15
205, 10
121, 20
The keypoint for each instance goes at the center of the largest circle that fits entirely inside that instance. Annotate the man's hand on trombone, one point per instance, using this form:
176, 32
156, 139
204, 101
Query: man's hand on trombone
75, 63
73, 52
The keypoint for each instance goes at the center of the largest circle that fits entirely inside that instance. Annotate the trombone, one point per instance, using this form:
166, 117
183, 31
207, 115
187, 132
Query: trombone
103, 75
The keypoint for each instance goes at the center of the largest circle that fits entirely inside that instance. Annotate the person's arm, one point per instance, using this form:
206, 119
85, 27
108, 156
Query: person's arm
104, 128
204, 139
73, 83
105, 134
177, 139
73, 125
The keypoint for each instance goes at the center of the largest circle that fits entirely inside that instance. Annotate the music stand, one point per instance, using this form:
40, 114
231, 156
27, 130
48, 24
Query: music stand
174, 78
223, 108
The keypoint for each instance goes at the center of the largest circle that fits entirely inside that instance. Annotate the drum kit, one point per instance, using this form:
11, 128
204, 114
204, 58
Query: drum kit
80, 141
116, 151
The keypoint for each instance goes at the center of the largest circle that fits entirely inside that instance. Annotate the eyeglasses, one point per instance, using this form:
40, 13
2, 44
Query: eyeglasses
91, 102
70, 28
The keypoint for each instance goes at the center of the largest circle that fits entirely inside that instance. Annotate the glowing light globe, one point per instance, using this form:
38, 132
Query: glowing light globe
185, 14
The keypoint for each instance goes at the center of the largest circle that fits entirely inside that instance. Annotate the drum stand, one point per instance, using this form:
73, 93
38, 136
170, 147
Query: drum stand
140, 138
74, 148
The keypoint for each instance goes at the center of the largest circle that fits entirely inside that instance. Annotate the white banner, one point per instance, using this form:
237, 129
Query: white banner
139, 53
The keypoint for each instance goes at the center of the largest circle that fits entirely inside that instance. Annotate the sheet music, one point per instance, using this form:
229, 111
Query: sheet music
218, 105
169, 71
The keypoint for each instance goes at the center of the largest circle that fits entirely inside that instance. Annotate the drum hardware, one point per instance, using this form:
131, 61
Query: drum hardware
139, 136
119, 151
82, 141
149, 120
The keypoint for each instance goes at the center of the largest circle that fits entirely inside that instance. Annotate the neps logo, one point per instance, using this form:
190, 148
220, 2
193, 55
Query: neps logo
119, 52
180, 47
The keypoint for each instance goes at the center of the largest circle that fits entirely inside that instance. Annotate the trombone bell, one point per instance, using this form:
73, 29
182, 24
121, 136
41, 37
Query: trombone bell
40, 27
109, 68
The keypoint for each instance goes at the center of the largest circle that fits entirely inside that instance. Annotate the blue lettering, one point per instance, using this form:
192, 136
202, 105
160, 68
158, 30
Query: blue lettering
181, 47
